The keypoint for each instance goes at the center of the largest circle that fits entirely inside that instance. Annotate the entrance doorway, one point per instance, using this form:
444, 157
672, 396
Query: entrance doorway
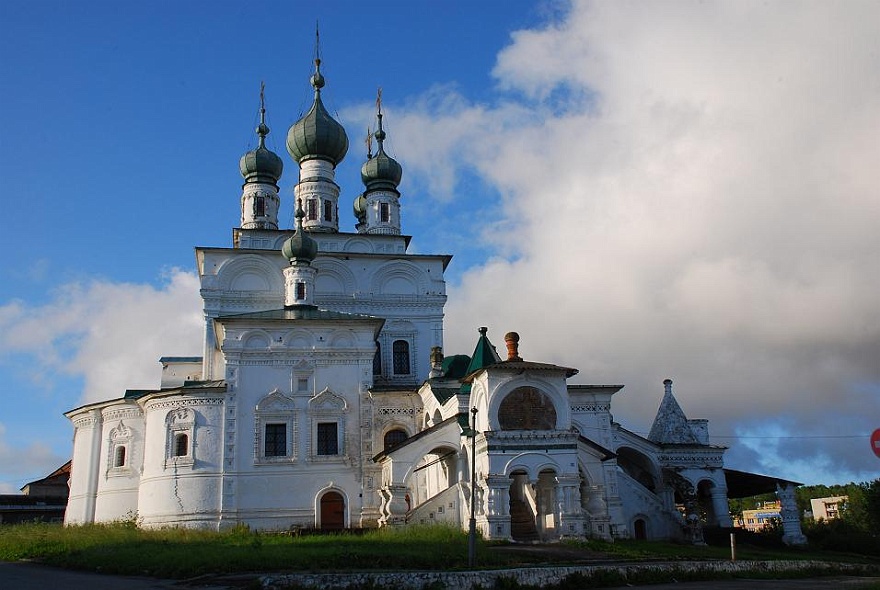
640, 530
332, 512
522, 509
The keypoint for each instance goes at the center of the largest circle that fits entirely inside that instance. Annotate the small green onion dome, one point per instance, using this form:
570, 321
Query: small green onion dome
381, 170
360, 208
299, 247
261, 164
317, 135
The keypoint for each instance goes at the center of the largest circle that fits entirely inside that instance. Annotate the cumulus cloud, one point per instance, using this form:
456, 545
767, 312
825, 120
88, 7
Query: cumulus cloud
24, 463
687, 190
110, 334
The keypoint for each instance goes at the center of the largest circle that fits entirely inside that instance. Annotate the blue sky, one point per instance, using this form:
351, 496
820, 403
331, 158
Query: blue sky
641, 190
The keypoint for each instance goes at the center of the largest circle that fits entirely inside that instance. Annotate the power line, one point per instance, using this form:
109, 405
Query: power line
812, 436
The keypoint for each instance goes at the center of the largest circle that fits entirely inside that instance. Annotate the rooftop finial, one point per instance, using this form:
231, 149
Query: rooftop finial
369, 142
300, 214
262, 128
317, 43
317, 79
380, 133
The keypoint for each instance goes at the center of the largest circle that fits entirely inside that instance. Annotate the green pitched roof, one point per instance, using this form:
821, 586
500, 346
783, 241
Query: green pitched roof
484, 356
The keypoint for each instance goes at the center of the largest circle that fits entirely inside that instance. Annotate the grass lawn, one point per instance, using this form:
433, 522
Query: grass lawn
122, 548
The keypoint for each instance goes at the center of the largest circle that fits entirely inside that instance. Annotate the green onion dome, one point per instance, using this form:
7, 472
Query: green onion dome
381, 170
360, 208
299, 247
317, 135
261, 164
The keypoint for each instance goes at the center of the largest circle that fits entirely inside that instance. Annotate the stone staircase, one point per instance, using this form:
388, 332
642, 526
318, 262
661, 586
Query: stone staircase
522, 522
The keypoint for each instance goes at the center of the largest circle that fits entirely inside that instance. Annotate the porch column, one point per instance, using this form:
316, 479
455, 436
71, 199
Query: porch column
571, 517
393, 505
600, 520
791, 518
720, 507
498, 508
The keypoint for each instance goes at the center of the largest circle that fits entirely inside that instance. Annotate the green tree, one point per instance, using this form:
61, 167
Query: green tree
871, 499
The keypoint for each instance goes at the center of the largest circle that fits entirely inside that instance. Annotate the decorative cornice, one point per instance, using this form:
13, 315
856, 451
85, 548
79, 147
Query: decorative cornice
177, 401
112, 413
594, 407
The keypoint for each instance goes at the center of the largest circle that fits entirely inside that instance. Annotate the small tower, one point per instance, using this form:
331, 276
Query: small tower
670, 425
299, 277
261, 169
378, 208
318, 143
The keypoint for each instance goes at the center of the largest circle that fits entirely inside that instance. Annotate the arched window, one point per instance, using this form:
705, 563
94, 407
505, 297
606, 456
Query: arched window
394, 438
400, 350
119, 460
527, 408
181, 445
312, 209
384, 212
300, 291
328, 210
259, 206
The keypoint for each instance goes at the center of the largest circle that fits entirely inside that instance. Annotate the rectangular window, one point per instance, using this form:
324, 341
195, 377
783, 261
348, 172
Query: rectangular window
312, 210
328, 441
384, 212
400, 357
300, 291
302, 384
181, 445
119, 461
259, 206
275, 440
328, 211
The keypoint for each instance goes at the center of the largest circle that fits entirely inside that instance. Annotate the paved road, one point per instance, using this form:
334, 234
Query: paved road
27, 576
14, 576
831, 583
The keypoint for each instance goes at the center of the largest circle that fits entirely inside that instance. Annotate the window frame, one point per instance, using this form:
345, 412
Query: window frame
328, 407
119, 440
180, 421
274, 409
396, 355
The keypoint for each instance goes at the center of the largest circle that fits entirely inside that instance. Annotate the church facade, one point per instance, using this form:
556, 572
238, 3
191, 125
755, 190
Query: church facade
323, 398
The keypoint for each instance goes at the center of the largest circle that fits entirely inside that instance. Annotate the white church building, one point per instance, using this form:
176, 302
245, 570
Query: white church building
323, 398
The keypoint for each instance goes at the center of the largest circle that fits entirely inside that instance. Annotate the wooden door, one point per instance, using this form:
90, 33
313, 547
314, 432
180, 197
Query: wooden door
332, 512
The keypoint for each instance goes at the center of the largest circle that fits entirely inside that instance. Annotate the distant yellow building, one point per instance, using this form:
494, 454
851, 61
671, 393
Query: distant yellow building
755, 520
827, 508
